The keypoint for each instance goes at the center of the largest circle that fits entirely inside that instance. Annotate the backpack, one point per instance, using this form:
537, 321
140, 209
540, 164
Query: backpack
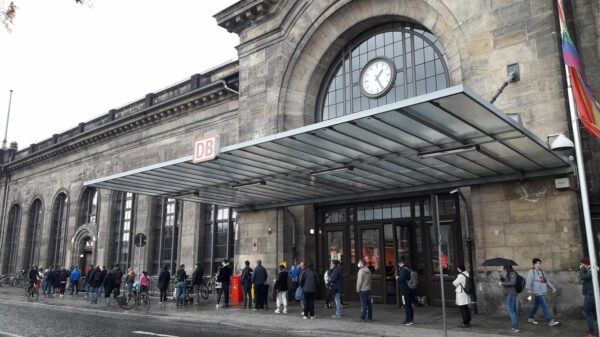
469, 287
414, 280
520, 285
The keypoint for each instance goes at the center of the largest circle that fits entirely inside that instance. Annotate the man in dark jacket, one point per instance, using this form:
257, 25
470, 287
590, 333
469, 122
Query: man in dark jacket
225, 279
181, 285
197, 280
96, 283
309, 280
335, 283
32, 277
49, 281
86, 285
406, 292
118, 276
589, 305
258, 280
108, 285
247, 285
164, 278
62, 281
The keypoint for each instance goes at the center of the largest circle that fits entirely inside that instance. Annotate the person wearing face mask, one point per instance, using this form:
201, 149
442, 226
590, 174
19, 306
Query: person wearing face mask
363, 288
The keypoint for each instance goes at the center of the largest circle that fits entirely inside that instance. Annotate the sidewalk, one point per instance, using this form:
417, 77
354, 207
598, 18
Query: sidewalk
387, 318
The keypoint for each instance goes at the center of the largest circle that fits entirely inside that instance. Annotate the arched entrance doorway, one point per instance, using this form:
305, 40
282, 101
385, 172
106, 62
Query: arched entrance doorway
85, 252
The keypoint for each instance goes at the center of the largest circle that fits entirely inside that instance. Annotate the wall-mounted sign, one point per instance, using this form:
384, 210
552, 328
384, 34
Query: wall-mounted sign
205, 148
255, 245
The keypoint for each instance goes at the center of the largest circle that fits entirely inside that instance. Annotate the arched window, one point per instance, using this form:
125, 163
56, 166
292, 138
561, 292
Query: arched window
166, 233
34, 234
414, 53
88, 207
122, 229
58, 231
11, 243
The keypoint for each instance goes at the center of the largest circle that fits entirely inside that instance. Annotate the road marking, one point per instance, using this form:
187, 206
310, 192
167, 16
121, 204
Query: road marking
6, 334
151, 334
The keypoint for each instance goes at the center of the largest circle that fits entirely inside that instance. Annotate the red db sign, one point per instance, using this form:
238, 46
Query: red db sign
205, 148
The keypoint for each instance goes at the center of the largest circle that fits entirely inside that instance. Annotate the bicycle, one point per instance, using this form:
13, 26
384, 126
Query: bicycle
33, 291
208, 287
140, 299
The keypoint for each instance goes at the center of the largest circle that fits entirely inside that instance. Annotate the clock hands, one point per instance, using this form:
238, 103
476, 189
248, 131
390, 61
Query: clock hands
377, 79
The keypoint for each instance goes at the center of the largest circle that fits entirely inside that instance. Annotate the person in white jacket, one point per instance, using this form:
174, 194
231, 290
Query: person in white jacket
462, 298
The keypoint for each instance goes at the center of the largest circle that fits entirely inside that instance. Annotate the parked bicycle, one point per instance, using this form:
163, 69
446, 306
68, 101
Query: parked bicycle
208, 286
33, 292
139, 299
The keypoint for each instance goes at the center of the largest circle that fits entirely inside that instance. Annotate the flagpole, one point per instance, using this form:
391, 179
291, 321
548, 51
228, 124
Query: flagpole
7, 117
585, 203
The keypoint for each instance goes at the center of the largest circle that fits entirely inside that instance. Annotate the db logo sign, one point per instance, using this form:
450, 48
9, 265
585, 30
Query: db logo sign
205, 148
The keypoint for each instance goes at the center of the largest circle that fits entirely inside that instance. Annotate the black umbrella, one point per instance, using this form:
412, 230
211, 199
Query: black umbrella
499, 261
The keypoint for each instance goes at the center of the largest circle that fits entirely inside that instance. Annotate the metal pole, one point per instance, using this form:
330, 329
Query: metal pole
7, 117
469, 247
435, 216
585, 203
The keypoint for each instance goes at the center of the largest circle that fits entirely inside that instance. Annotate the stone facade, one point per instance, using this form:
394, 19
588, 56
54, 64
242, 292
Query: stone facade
286, 48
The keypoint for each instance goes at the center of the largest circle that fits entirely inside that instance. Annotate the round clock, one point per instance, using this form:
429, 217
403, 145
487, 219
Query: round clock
377, 77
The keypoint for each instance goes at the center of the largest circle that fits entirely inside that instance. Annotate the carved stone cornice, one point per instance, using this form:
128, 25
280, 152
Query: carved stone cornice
201, 98
245, 13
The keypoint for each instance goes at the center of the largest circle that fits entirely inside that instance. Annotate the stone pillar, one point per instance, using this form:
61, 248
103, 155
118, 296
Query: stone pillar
103, 240
189, 234
144, 222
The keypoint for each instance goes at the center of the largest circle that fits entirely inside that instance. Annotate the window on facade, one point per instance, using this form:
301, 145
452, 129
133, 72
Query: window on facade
167, 224
417, 54
223, 220
89, 206
11, 243
58, 231
34, 233
122, 229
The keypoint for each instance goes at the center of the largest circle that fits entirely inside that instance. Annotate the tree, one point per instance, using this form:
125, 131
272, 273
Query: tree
9, 12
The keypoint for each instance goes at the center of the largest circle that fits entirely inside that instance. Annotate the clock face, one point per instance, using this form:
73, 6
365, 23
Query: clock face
377, 77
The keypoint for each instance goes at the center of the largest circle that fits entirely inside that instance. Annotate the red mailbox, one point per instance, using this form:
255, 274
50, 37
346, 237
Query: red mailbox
237, 295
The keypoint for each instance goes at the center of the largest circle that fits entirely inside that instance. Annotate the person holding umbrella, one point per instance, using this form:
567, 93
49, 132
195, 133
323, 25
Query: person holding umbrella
509, 287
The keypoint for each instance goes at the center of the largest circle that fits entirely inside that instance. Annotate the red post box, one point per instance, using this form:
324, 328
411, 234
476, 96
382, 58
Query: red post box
237, 295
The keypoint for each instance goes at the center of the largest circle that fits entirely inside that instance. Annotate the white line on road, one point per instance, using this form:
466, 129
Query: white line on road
3, 334
151, 334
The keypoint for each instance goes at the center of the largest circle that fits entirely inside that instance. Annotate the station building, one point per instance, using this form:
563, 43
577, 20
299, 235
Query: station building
346, 130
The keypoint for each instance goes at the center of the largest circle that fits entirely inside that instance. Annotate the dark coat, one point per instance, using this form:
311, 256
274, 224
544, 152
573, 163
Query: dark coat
109, 283
118, 276
225, 275
309, 280
259, 276
198, 276
181, 275
281, 284
335, 280
403, 279
98, 278
164, 278
247, 277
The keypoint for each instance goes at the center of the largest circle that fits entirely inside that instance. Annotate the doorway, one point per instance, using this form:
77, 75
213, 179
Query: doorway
86, 251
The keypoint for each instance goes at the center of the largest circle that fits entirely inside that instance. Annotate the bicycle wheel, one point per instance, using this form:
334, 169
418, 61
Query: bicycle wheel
126, 301
144, 302
36, 294
204, 291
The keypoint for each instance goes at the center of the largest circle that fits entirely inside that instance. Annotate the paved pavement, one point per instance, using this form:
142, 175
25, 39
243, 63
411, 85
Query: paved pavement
387, 319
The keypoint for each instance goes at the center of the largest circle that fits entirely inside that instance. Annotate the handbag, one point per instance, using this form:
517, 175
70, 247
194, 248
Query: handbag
298, 294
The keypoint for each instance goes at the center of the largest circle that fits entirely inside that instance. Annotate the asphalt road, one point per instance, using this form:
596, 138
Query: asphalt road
16, 320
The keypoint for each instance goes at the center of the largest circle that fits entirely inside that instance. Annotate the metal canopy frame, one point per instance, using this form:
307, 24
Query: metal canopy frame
437, 141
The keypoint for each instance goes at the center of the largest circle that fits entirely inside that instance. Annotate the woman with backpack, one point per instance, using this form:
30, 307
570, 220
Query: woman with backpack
463, 298
509, 282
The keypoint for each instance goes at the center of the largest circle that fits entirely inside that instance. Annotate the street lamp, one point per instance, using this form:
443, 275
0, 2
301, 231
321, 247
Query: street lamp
7, 117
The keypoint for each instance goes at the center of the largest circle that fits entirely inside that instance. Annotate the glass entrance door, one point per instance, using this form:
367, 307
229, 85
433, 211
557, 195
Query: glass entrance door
371, 251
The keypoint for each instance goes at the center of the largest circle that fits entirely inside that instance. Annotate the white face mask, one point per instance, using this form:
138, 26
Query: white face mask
360, 265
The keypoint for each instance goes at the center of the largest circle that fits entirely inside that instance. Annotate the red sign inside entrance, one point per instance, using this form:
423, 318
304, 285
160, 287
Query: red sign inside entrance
205, 148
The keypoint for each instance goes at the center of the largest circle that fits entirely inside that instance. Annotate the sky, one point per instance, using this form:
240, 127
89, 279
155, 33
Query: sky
69, 63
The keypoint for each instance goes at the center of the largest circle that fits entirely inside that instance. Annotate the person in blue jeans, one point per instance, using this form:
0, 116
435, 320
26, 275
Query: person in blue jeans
589, 306
509, 283
363, 288
181, 285
335, 282
537, 286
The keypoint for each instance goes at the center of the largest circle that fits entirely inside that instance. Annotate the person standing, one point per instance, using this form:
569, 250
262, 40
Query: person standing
181, 285
335, 282
48, 281
95, 284
144, 282
363, 288
309, 280
537, 286
62, 280
118, 274
462, 298
509, 283
88, 277
225, 279
103, 274
589, 306
294, 273
407, 293
247, 285
281, 287
259, 277
197, 280
129, 280
75, 276
164, 278
108, 285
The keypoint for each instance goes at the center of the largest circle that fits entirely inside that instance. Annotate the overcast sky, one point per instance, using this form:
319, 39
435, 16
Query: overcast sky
69, 63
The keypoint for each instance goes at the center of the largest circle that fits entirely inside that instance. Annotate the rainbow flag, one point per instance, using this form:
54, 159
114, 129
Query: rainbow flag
587, 104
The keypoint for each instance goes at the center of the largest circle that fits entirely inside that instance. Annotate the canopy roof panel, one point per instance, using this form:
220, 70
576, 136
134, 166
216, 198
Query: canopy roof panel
441, 140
